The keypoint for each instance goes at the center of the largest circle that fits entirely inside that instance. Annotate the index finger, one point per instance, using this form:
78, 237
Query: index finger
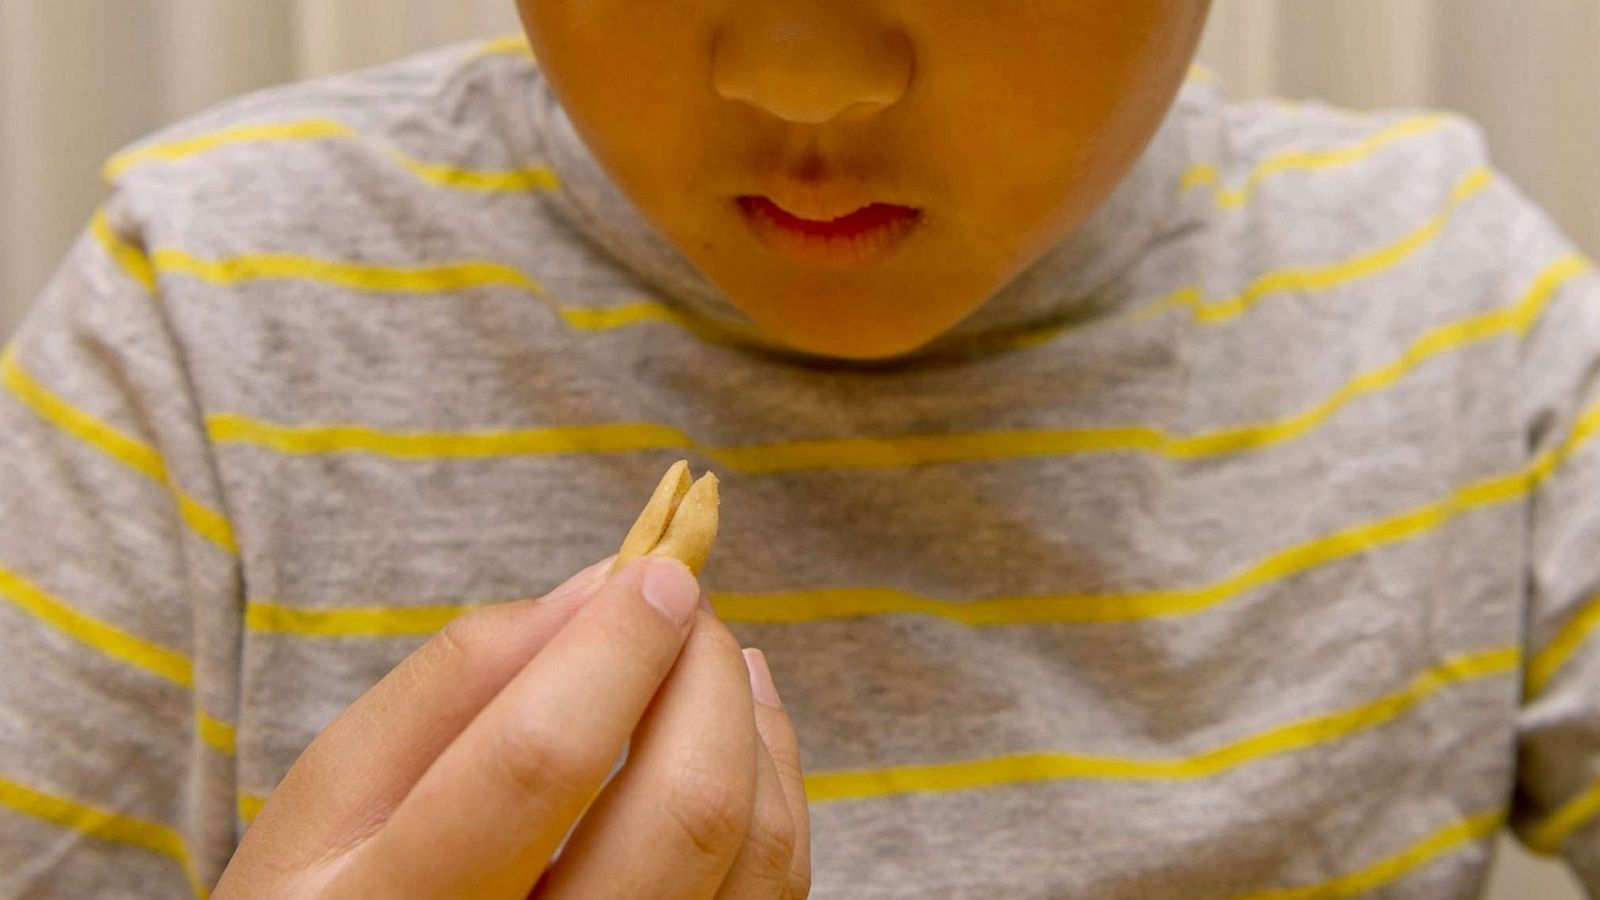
334, 794
489, 813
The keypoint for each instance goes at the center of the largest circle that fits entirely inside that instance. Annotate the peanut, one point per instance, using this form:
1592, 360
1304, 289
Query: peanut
679, 521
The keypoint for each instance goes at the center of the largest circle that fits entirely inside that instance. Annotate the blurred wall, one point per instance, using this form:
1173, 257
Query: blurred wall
80, 78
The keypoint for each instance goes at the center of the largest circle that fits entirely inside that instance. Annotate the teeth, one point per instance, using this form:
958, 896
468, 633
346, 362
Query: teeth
811, 215
859, 246
817, 220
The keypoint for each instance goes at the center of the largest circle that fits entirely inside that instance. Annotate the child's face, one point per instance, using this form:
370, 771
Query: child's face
1000, 124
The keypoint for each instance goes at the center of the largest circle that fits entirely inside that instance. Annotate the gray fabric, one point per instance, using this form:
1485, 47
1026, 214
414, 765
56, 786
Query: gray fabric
94, 538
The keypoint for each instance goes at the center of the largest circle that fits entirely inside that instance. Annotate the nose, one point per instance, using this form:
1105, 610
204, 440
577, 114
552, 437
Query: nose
809, 61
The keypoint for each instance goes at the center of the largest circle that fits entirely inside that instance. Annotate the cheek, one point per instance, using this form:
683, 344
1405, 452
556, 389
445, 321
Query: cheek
1051, 159
1006, 193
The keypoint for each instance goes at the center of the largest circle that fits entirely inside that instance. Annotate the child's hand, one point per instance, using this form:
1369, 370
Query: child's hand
461, 771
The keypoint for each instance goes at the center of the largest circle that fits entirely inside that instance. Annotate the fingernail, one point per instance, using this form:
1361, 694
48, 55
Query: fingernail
671, 588
766, 693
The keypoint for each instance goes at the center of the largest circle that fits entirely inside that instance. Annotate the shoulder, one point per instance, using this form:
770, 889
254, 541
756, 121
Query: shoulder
453, 83
331, 149
278, 230
1280, 155
1408, 201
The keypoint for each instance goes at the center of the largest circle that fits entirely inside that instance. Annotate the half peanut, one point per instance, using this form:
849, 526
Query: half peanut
680, 521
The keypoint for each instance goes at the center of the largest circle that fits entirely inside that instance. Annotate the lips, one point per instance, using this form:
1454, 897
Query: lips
853, 240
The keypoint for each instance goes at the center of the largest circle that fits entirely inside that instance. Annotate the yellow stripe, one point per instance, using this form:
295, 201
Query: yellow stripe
924, 450
1572, 635
857, 602
436, 278
1585, 428
516, 44
440, 174
1202, 74
895, 451
1300, 280
1548, 836
229, 428
307, 130
103, 824
1309, 160
539, 178
250, 806
479, 273
934, 449
1444, 841
351, 622
843, 603
1451, 336
809, 606
129, 257
622, 316
103, 636
217, 734
1323, 278
168, 665
630, 314
824, 787
1199, 174
931, 449
108, 639
1304, 280
102, 436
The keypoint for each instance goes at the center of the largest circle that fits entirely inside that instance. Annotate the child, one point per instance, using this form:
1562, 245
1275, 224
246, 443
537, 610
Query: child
1137, 495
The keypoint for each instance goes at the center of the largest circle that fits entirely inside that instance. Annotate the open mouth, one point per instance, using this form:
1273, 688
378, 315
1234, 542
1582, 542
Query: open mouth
854, 240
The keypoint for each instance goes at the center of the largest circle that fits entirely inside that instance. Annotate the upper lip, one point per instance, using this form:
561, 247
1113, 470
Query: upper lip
821, 202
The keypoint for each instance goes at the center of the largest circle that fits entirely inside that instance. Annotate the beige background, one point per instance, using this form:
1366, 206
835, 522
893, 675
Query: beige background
79, 78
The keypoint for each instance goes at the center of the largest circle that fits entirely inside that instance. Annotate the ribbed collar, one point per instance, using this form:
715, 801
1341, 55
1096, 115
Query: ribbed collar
1068, 283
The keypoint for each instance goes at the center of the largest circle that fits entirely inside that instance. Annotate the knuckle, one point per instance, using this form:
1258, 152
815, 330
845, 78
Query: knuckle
462, 637
710, 810
772, 840
535, 758
451, 653
787, 760
799, 882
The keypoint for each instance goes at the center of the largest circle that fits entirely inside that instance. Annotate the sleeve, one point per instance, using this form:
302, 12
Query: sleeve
119, 587
1557, 804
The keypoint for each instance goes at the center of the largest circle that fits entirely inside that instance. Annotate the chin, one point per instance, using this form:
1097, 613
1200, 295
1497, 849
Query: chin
851, 321
864, 345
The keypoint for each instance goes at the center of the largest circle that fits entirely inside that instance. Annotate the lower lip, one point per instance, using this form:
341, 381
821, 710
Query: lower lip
854, 241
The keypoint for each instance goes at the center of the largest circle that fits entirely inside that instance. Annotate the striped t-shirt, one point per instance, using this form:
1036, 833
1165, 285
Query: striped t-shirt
1246, 546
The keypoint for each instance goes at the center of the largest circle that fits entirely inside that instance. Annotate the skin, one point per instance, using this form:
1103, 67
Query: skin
1006, 123
458, 774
